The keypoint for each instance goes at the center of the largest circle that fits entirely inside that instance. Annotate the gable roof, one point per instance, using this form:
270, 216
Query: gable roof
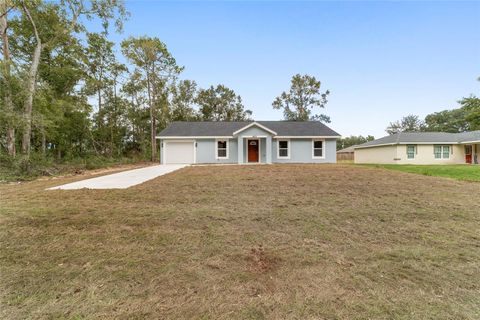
347, 149
424, 138
227, 129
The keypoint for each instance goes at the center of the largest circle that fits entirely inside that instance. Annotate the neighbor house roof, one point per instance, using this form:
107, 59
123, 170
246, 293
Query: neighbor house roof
424, 138
347, 150
227, 129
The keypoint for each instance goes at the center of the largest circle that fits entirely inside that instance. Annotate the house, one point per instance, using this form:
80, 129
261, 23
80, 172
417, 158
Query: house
345, 154
421, 148
248, 142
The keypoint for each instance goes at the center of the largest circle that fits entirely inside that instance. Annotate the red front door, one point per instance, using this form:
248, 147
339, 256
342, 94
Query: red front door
252, 150
468, 154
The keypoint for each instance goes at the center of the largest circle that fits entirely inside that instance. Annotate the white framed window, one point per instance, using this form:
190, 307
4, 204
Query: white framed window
318, 149
283, 149
221, 149
441, 152
411, 151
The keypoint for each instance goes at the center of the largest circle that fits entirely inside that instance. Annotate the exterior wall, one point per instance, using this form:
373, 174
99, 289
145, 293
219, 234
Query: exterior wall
425, 155
380, 154
397, 154
206, 151
301, 151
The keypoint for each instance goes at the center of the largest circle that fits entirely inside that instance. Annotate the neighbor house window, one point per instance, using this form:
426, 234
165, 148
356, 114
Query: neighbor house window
411, 151
283, 149
222, 149
318, 149
441, 152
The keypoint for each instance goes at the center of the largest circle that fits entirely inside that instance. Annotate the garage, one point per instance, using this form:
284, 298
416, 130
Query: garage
178, 152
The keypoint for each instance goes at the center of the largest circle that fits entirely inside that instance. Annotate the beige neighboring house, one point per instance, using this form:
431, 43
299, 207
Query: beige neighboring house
421, 148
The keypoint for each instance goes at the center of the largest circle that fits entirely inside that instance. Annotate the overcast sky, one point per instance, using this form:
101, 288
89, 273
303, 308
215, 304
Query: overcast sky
380, 60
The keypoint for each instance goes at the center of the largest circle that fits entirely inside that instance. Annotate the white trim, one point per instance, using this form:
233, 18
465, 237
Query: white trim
227, 149
193, 137
307, 137
254, 137
164, 153
288, 149
259, 150
323, 149
254, 124
470, 142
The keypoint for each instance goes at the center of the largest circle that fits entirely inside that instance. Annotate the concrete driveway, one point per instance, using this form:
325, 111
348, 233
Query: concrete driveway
122, 180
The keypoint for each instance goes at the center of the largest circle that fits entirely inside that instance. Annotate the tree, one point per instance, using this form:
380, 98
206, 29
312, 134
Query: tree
6, 82
353, 141
410, 123
157, 66
303, 98
447, 121
50, 23
182, 101
99, 60
221, 104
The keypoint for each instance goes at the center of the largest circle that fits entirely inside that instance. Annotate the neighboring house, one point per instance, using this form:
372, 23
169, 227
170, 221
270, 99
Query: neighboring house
421, 148
345, 154
248, 142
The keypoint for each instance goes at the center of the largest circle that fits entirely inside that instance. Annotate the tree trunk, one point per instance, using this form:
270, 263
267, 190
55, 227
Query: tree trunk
7, 79
152, 121
28, 105
31, 82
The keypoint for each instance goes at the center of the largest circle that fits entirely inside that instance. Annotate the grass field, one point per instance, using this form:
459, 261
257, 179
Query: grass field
244, 242
460, 172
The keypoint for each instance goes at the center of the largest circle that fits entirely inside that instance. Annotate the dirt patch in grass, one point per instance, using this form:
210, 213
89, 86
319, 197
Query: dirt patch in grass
244, 242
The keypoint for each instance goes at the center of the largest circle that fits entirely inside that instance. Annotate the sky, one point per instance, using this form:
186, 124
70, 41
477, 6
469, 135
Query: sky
380, 60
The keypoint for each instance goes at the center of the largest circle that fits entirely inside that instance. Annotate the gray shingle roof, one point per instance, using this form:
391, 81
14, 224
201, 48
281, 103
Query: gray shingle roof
223, 128
423, 137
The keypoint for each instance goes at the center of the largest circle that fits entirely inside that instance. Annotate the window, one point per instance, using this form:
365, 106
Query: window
317, 149
222, 149
441, 152
283, 149
411, 151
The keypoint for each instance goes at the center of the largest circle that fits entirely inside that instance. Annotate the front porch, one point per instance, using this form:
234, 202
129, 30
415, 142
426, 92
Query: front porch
254, 149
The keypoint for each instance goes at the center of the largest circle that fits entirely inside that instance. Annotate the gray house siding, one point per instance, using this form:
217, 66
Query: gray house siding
206, 151
301, 151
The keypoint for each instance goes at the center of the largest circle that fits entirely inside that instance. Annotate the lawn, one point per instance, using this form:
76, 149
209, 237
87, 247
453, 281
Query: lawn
460, 172
244, 242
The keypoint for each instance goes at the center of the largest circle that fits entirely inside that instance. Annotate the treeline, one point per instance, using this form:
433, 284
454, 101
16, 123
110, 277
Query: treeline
464, 118
65, 93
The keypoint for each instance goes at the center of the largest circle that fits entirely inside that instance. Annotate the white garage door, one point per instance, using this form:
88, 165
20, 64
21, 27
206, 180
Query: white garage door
179, 152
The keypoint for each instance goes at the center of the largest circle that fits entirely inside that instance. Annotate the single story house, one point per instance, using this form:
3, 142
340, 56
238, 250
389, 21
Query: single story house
421, 148
346, 153
248, 142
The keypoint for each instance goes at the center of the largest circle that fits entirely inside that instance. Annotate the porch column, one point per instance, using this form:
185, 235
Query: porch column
240, 150
269, 149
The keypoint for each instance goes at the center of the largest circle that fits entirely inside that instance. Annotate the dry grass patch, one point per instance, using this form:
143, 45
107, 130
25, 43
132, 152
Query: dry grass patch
279, 241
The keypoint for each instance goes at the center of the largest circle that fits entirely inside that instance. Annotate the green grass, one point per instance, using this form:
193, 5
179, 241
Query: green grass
459, 172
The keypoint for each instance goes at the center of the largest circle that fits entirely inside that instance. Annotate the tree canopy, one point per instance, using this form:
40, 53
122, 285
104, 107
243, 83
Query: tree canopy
303, 100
